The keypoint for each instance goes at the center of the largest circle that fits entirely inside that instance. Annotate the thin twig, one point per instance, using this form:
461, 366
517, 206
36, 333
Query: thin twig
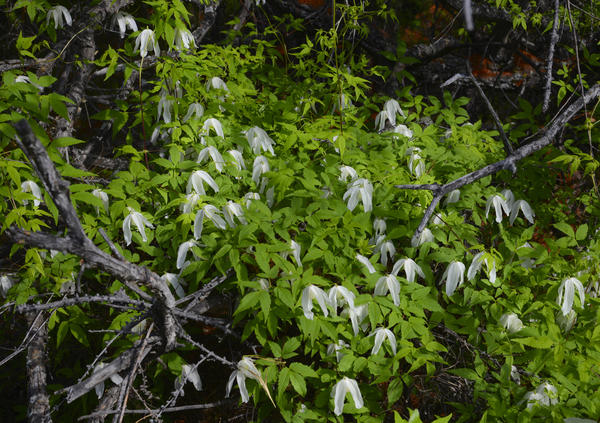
166, 410
550, 61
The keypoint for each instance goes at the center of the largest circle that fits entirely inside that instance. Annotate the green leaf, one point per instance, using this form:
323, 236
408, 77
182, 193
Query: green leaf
298, 383
63, 329
581, 233
79, 334
541, 342
565, 228
303, 370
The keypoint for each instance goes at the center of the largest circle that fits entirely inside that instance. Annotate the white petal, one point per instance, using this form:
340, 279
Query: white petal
475, 266
366, 262
127, 229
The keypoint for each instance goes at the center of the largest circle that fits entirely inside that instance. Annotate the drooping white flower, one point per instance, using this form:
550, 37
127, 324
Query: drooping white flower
183, 39
511, 322
356, 314
115, 378
198, 224
509, 197
57, 13
389, 284
336, 348
379, 226
342, 102
102, 196
259, 140
343, 295
514, 375
183, 250
475, 266
366, 262
191, 200
566, 294
499, 204
392, 107
339, 392
360, 188
214, 155
416, 165
188, 374
296, 252
525, 208
454, 276
410, 267
165, 105
34, 189
245, 369
545, 394
195, 110
250, 196
311, 293
425, 236
139, 220
25, 79
388, 251
145, 42
238, 159
6, 282
174, 280
216, 83
402, 130
231, 210
566, 322
196, 182
212, 213
212, 123
452, 197
347, 171
124, 20
380, 335
260, 166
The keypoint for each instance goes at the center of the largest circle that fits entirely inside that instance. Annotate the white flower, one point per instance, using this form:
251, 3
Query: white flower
34, 189
511, 322
189, 374
174, 280
389, 283
416, 165
366, 262
57, 13
379, 226
212, 123
124, 20
183, 39
6, 282
454, 276
356, 314
566, 293
259, 140
566, 322
196, 182
425, 236
509, 197
341, 293
402, 130
191, 200
216, 83
238, 159
499, 204
102, 196
342, 102
545, 394
452, 197
232, 209
115, 378
214, 155
339, 392
380, 335
438, 219
198, 224
25, 79
311, 293
260, 166
195, 110
514, 375
212, 213
143, 41
524, 207
475, 266
164, 108
347, 171
410, 267
331, 348
296, 252
245, 369
139, 220
360, 188
392, 107
183, 250
250, 196
388, 251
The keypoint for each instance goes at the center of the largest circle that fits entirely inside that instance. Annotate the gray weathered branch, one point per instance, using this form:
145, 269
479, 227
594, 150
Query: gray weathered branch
38, 404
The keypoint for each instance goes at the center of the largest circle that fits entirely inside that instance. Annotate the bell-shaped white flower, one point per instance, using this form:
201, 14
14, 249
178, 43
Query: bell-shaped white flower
500, 205
360, 188
392, 107
115, 378
416, 164
336, 348
545, 394
402, 130
347, 171
212, 214
212, 123
311, 293
139, 220
389, 284
145, 42
296, 252
196, 182
475, 266
356, 314
380, 335
259, 140
102, 196
454, 276
183, 39
214, 154
165, 105
216, 83
366, 262
57, 13
410, 268
245, 369
387, 250
339, 392
124, 21
188, 374
173, 279
566, 294
238, 159
452, 197
509, 197
524, 207
6, 282
340, 296
231, 210
198, 224
183, 250
425, 236
251, 196
34, 189
191, 200
566, 322
195, 111
260, 166
511, 322
379, 226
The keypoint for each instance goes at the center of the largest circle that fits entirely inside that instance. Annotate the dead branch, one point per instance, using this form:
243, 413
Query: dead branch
166, 410
210, 16
549, 62
38, 407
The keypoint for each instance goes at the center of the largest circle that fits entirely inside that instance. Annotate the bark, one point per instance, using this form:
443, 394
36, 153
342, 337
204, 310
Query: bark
38, 406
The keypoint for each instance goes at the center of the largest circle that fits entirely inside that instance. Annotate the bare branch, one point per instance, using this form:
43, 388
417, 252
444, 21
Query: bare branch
210, 16
468, 12
166, 410
549, 62
38, 407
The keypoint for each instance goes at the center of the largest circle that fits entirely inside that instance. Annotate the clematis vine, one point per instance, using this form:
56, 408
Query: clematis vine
216, 83
381, 334
182, 251
183, 39
57, 13
6, 282
452, 197
410, 268
339, 296
139, 220
416, 165
511, 322
454, 276
425, 236
145, 42
251, 196
296, 252
102, 196
34, 189
115, 378
360, 188
259, 140
191, 200
245, 369
475, 267
566, 294
188, 374
212, 123
196, 182
231, 210
212, 214
366, 262
339, 392
389, 111
521, 205
165, 105
214, 154
356, 314
260, 166
195, 111
500, 205
124, 21
389, 284
347, 171
336, 348
238, 159
311, 293
379, 226
545, 394
174, 281
402, 130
